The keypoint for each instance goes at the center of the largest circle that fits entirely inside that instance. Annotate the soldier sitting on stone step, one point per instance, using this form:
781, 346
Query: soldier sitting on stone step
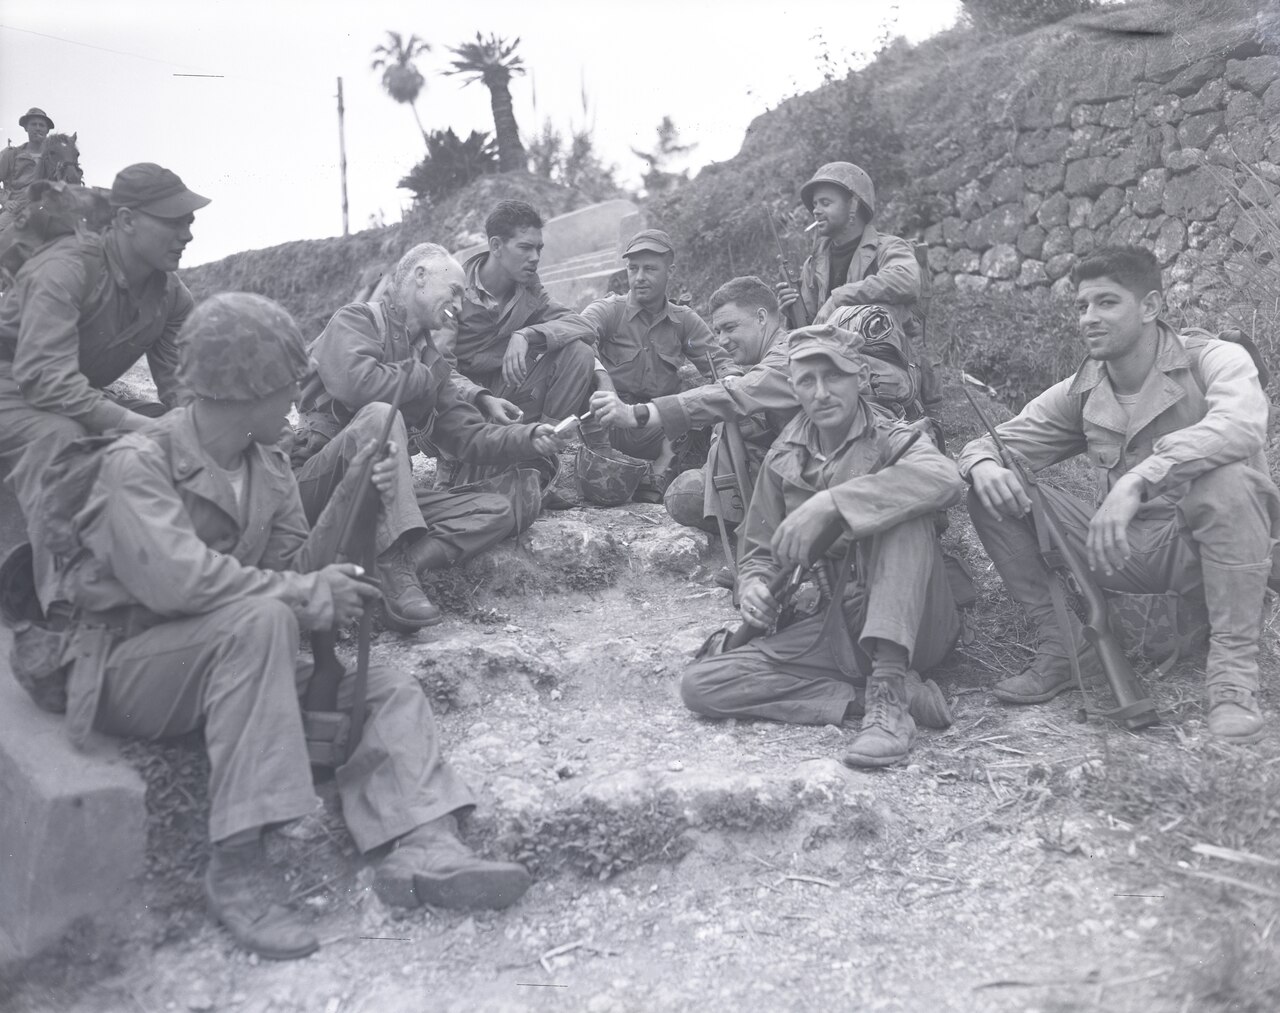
194, 577
893, 616
643, 339
1175, 426
355, 366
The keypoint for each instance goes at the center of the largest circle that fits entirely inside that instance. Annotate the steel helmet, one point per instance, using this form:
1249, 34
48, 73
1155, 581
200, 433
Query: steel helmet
240, 346
608, 477
848, 177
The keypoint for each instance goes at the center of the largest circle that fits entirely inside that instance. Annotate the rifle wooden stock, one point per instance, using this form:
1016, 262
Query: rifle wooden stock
782, 261
746, 632
737, 447
1136, 709
322, 692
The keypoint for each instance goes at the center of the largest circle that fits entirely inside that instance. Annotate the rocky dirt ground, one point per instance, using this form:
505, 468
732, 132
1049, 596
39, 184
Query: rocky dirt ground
1020, 861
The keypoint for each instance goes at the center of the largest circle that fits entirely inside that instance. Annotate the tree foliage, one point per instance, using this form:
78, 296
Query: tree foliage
658, 178
450, 164
574, 163
1012, 16
400, 77
492, 62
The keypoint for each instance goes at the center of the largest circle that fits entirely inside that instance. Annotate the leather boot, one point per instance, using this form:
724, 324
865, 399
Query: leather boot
926, 703
888, 730
1234, 598
1049, 672
238, 886
430, 865
405, 606
428, 554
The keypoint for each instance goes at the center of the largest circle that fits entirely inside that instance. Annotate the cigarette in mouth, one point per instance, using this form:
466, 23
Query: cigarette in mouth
811, 226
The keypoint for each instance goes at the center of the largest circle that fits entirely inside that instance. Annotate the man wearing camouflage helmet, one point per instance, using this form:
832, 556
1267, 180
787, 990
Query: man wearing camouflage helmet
196, 576
355, 366
853, 263
892, 617
83, 310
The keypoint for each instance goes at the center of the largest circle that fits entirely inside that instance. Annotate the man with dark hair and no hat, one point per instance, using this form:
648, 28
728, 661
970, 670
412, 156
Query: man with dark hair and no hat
82, 311
887, 610
521, 355
1175, 426
642, 340
196, 574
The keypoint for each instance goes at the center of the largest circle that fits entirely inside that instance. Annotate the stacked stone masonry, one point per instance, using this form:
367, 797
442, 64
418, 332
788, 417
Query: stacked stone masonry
1172, 145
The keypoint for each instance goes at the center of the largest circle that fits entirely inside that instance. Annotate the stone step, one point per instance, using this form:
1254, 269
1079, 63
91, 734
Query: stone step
73, 829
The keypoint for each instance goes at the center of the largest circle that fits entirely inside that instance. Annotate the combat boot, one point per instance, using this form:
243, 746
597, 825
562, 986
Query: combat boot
1234, 597
430, 865
405, 606
239, 887
926, 702
888, 730
1049, 672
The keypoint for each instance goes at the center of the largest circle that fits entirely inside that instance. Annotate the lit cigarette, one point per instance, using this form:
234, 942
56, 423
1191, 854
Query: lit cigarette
810, 227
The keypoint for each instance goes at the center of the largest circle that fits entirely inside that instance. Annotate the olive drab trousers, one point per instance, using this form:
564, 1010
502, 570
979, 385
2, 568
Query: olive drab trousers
807, 675
236, 672
464, 523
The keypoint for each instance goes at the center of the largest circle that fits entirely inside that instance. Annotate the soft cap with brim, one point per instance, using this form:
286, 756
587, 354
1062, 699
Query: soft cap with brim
811, 346
154, 190
32, 112
650, 240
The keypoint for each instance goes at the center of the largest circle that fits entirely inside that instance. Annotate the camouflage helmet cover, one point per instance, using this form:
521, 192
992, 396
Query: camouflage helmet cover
608, 477
845, 175
237, 346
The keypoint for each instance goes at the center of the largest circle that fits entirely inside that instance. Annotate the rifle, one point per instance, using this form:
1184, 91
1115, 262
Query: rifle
782, 261
739, 462
332, 736
784, 584
1135, 710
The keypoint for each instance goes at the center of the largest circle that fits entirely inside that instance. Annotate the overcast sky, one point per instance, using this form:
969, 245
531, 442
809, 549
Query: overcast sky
262, 138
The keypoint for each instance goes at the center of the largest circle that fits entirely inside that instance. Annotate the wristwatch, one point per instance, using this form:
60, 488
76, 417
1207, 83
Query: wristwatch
641, 412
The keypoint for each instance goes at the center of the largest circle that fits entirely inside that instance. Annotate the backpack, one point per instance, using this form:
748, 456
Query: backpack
53, 210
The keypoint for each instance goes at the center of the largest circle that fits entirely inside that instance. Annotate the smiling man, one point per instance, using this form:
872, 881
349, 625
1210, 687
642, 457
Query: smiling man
1175, 426
83, 310
519, 353
879, 626
746, 323
355, 367
18, 166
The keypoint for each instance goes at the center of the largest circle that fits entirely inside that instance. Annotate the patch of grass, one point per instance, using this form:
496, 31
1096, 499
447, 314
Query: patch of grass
599, 840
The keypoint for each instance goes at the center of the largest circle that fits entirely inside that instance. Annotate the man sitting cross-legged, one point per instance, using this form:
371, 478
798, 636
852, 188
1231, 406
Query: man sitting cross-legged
1175, 426
356, 364
830, 465
195, 575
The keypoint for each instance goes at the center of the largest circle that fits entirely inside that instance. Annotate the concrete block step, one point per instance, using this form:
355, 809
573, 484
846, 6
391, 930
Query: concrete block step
73, 824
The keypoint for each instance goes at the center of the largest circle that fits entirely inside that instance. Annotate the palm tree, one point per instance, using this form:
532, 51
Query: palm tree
492, 61
402, 80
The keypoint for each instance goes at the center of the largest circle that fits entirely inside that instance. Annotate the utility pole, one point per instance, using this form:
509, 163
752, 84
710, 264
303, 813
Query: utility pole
342, 160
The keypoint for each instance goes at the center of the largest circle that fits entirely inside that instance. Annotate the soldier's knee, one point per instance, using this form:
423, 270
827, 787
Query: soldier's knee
576, 355
371, 417
268, 615
497, 509
685, 497
696, 689
1226, 490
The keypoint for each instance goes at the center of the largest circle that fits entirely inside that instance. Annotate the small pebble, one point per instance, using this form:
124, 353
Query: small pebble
675, 765
200, 1002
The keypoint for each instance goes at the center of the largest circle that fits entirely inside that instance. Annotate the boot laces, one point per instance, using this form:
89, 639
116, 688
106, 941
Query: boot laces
399, 571
879, 701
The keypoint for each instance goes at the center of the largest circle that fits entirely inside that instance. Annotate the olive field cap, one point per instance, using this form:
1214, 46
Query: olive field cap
155, 190
33, 112
237, 346
808, 346
845, 175
652, 240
